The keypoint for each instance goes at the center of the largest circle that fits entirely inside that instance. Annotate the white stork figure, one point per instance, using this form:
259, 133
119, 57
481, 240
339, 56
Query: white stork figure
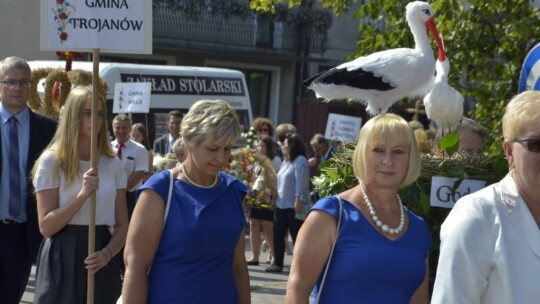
382, 78
444, 105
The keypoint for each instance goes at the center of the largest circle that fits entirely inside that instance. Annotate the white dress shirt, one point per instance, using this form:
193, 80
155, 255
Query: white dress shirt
490, 250
134, 159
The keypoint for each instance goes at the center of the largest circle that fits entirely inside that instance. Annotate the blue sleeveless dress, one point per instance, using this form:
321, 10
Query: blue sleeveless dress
194, 260
366, 266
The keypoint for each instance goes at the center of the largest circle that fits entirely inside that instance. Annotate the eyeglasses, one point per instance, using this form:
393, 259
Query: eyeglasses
533, 144
263, 130
12, 84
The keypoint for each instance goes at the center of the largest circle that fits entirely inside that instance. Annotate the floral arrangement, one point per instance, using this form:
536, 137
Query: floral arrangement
257, 172
250, 136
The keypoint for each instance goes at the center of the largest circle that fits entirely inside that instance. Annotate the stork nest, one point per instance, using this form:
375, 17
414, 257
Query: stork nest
337, 174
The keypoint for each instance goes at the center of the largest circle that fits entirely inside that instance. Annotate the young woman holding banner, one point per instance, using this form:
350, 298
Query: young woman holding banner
64, 181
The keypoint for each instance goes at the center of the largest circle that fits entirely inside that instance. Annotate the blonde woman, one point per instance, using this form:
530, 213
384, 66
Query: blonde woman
381, 252
197, 254
64, 182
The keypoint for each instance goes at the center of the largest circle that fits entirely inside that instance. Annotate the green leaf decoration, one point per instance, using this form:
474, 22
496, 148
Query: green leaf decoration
449, 143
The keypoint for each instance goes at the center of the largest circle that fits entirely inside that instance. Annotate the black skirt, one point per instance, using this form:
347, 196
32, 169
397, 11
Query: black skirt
262, 214
61, 276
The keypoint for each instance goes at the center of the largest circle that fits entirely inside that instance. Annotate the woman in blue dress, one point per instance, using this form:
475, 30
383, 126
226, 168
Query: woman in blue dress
381, 252
197, 254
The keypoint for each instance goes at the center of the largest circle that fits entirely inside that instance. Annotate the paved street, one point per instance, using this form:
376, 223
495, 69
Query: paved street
266, 288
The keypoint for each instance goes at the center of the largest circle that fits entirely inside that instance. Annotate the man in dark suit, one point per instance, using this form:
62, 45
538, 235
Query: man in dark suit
164, 144
23, 135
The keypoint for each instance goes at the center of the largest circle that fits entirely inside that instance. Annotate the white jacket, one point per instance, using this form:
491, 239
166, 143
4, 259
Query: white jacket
490, 250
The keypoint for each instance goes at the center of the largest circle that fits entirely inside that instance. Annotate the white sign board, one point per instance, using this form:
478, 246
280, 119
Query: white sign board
132, 97
342, 127
441, 190
112, 26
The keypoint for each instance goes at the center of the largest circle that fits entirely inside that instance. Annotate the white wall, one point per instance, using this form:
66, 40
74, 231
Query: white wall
19, 34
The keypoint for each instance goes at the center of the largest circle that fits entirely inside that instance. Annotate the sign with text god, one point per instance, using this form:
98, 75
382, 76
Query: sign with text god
113, 26
441, 190
131, 97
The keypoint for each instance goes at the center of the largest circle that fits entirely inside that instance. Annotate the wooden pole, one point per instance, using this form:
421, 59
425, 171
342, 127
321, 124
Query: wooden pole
93, 162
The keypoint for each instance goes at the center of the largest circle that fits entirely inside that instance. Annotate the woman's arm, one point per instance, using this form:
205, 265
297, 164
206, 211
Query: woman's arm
240, 271
311, 251
52, 218
99, 259
142, 241
421, 295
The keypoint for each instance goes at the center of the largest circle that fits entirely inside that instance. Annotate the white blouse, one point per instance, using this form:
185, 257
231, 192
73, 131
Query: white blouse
111, 177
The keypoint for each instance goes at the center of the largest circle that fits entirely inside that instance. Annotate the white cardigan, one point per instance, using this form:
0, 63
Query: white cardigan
490, 250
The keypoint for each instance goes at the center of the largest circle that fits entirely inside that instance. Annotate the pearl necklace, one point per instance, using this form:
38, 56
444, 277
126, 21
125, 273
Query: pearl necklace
385, 228
194, 183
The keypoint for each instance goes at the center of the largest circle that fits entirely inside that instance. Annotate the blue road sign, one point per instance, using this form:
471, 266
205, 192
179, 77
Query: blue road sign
530, 72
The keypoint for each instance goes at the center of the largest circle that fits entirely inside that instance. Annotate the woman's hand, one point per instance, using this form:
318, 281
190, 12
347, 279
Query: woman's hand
98, 260
90, 182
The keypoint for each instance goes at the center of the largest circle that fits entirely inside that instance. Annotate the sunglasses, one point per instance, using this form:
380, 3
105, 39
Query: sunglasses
533, 144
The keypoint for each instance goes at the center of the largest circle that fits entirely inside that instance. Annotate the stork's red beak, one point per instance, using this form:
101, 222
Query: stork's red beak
430, 24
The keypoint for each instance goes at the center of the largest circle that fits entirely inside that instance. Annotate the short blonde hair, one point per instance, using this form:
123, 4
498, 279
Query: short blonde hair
208, 120
178, 145
522, 113
386, 128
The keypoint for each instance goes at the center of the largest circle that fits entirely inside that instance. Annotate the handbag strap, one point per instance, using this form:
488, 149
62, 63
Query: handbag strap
332, 250
168, 203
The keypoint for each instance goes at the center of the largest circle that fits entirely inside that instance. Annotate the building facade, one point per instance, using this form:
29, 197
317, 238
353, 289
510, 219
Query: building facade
275, 52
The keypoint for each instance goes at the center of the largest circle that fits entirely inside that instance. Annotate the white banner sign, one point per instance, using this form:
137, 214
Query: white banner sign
113, 26
132, 97
441, 190
342, 127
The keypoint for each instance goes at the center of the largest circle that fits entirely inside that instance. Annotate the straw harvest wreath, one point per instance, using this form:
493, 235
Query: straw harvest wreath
51, 106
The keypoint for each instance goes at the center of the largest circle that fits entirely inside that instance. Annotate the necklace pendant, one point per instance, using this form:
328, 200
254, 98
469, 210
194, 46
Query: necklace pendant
199, 185
382, 226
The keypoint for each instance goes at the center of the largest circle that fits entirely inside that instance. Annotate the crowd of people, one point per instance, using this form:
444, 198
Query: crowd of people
183, 223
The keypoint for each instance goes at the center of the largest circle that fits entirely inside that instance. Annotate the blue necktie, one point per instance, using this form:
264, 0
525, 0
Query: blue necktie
14, 173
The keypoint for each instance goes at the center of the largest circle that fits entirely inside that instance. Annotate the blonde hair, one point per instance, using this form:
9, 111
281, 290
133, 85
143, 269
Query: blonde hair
208, 120
522, 113
65, 143
386, 128
178, 145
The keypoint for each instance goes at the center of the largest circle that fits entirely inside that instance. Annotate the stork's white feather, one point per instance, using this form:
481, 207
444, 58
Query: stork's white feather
444, 104
409, 72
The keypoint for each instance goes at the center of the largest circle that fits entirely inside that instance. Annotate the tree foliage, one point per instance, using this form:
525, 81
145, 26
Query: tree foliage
486, 42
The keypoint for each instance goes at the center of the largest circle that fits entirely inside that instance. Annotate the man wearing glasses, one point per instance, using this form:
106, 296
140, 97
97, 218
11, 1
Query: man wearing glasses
24, 135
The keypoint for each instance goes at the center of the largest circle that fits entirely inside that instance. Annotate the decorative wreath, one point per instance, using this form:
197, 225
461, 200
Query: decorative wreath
247, 165
33, 99
67, 80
